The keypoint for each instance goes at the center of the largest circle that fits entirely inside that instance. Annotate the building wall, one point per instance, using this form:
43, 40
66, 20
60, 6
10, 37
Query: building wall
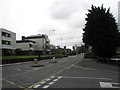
5, 39
39, 43
25, 46
7, 42
42, 43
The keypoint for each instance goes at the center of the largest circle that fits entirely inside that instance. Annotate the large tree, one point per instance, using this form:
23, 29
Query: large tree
101, 32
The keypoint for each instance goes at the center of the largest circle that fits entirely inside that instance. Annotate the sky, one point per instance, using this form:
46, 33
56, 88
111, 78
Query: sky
61, 20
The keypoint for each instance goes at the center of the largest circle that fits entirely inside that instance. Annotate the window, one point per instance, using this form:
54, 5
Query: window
6, 34
3, 42
3, 34
30, 45
6, 42
9, 35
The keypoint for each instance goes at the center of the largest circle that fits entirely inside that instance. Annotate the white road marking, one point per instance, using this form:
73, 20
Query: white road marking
46, 86
60, 77
48, 79
36, 86
18, 63
1, 65
87, 78
18, 69
53, 77
15, 63
115, 85
55, 80
105, 85
51, 83
43, 82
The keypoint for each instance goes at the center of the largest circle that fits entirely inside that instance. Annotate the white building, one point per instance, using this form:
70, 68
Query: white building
42, 43
25, 47
35, 43
7, 41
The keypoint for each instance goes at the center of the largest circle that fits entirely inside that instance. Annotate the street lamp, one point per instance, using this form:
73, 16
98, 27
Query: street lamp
50, 40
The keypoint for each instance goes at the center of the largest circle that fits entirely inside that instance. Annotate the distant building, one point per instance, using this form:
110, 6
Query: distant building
25, 47
119, 16
38, 43
7, 42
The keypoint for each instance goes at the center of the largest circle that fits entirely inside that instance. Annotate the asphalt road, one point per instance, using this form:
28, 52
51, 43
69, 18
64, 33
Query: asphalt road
69, 72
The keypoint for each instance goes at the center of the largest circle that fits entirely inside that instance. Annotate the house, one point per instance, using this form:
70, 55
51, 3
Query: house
7, 42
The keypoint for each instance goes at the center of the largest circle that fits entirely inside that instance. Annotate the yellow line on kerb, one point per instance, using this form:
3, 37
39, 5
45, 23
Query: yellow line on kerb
53, 75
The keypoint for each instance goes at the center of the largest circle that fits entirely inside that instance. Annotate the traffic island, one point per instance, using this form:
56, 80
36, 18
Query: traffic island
36, 64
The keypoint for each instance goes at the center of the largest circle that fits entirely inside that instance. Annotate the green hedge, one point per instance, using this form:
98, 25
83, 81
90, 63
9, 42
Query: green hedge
25, 57
17, 57
89, 55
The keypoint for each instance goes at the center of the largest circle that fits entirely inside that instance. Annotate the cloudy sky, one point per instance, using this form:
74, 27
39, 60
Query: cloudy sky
66, 17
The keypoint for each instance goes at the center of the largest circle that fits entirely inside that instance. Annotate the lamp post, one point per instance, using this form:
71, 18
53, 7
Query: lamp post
50, 40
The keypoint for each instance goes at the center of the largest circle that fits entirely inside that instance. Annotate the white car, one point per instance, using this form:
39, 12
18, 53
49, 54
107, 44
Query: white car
116, 58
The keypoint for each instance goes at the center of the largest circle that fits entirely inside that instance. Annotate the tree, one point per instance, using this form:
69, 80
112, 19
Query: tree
101, 32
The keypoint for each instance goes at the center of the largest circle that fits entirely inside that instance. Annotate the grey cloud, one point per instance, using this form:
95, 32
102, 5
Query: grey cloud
62, 9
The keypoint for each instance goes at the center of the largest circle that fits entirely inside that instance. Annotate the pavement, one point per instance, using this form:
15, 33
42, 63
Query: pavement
68, 72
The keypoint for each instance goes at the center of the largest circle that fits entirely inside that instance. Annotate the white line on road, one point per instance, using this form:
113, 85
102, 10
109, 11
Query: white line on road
53, 77
36, 86
1, 65
105, 85
87, 78
46, 86
43, 82
48, 79
51, 83
55, 80
60, 77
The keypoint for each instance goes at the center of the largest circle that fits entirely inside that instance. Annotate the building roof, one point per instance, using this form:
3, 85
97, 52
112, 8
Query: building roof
2, 29
36, 36
24, 41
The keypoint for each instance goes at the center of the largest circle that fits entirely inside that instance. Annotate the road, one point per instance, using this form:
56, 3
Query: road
69, 72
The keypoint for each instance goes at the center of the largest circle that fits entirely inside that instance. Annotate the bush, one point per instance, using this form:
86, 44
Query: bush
89, 54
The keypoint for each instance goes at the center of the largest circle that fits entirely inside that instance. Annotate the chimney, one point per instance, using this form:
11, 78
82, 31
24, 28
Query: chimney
23, 38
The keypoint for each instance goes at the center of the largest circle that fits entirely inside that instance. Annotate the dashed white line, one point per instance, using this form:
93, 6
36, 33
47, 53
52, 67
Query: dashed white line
51, 83
43, 82
46, 86
53, 77
55, 80
60, 77
1, 65
48, 79
36, 86
105, 85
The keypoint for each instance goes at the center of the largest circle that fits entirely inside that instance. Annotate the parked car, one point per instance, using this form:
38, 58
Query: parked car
116, 58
